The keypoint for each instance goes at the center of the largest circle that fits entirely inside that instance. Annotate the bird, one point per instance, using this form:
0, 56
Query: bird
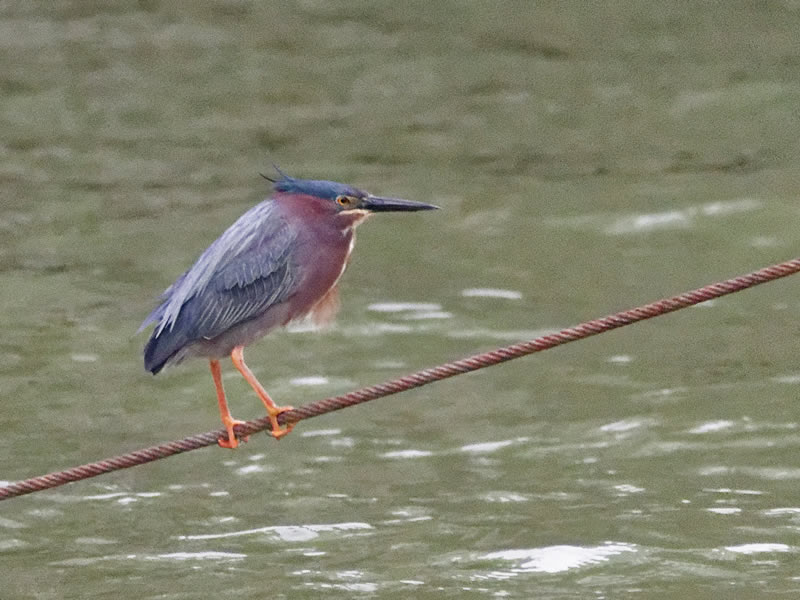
279, 262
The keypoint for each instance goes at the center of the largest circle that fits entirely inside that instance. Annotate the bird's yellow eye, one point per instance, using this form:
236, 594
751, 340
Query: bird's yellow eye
345, 201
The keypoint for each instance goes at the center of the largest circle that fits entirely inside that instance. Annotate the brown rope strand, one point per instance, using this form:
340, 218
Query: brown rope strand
407, 382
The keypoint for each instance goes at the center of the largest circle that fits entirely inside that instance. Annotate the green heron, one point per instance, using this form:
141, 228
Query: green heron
279, 262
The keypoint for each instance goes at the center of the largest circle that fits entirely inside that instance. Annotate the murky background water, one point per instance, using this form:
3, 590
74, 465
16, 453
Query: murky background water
589, 157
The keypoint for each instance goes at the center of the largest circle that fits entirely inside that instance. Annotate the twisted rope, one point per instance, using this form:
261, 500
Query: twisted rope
414, 380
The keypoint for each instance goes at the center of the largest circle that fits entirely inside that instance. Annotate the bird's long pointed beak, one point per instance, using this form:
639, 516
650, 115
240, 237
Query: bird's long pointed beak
378, 204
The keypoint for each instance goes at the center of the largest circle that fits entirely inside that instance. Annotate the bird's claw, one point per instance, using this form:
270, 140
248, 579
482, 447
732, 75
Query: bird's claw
232, 441
278, 432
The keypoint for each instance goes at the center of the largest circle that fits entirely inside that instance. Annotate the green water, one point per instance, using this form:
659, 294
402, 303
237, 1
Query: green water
588, 157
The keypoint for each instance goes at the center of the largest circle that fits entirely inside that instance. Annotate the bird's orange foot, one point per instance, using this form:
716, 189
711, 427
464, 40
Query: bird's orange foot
278, 432
232, 442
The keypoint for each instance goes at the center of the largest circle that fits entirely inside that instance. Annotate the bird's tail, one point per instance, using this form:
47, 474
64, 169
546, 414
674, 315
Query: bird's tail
163, 348
154, 360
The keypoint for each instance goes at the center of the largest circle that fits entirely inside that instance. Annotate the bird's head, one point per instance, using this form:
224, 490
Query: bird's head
342, 199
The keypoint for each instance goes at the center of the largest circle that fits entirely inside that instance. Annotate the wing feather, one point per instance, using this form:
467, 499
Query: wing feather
238, 277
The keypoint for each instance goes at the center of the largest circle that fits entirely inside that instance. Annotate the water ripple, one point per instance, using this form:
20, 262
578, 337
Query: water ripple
679, 219
411, 453
760, 548
491, 293
170, 556
555, 559
398, 307
487, 447
288, 533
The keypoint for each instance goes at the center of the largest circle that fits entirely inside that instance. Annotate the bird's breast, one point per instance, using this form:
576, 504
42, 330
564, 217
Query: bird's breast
320, 260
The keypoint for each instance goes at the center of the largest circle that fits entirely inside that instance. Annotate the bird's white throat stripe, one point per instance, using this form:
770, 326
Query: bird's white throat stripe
360, 216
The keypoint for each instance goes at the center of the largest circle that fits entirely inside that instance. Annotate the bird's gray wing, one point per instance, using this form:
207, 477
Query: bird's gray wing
253, 247
244, 288
238, 277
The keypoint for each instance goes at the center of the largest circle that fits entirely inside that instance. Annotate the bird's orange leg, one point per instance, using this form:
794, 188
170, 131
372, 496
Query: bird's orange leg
237, 356
225, 414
